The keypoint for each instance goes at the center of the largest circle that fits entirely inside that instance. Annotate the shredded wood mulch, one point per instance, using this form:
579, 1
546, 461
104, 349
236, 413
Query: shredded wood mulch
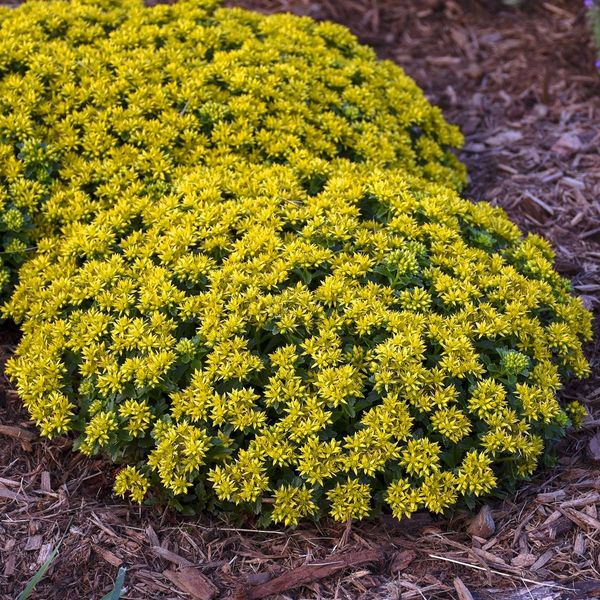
521, 84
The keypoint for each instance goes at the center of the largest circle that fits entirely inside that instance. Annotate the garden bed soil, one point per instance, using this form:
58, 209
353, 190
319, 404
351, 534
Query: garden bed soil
521, 85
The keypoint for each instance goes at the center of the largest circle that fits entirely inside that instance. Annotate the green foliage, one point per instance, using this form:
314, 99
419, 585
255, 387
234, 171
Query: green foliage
593, 15
38, 575
117, 590
104, 99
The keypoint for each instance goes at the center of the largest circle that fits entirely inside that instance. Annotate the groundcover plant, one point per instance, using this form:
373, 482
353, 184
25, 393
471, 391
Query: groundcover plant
106, 98
382, 339
254, 284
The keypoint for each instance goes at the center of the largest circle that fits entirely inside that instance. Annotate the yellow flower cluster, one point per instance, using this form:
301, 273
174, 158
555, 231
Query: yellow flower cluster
294, 350
106, 99
254, 280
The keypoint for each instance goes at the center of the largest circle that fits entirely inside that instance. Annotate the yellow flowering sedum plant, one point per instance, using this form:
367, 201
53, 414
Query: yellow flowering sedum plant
101, 99
247, 341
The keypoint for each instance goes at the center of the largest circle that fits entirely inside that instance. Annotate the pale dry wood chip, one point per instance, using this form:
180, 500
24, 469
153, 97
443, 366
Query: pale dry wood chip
540, 202
550, 496
45, 484
490, 543
17, 432
152, 537
554, 516
171, 556
307, 574
587, 287
508, 169
102, 526
443, 61
10, 482
9, 565
579, 544
593, 447
542, 593
567, 143
504, 137
523, 560
488, 556
10, 544
192, 582
482, 525
108, 556
574, 183
11, 495
587, 500
589, 233
45, 552
551, 176
542, 560
462, 590
474, 148
34, 542
401, 560
577, 219
581, 519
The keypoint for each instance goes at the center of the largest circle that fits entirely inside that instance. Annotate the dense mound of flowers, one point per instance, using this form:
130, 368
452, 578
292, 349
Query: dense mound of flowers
15, 226
101, 99
245, 341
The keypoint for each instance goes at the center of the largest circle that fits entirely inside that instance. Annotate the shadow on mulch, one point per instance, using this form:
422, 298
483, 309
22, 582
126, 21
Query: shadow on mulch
521, 85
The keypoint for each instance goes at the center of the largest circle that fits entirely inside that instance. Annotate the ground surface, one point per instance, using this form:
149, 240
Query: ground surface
521, 85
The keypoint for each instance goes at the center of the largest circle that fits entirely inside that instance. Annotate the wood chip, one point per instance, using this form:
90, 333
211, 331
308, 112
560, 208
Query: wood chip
171, 556
9, 565
593, 447
17, 432
581, 519
401, 560
579, 544
45, 485
554, 516
523, 560
589, 233
34, 542
574, 183
45, 551
306, 574
108, 556
539, 202
462, 591
488, 556
192, 582
567, 143
504, 137
550, 496
152, 537
542, 560
12, 495
443, 61
104, 527
24, 436
483, 524
587, 500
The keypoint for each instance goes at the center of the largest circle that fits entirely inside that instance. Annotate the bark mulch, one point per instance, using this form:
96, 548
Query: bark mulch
521, 84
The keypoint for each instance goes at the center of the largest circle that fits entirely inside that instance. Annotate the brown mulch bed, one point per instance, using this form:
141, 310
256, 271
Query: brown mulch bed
521, 84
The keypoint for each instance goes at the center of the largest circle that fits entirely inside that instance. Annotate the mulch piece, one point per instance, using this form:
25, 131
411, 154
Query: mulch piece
521, 85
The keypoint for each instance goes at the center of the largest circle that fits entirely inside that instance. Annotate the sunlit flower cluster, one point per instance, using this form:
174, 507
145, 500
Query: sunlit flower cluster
106, 99
248, 340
